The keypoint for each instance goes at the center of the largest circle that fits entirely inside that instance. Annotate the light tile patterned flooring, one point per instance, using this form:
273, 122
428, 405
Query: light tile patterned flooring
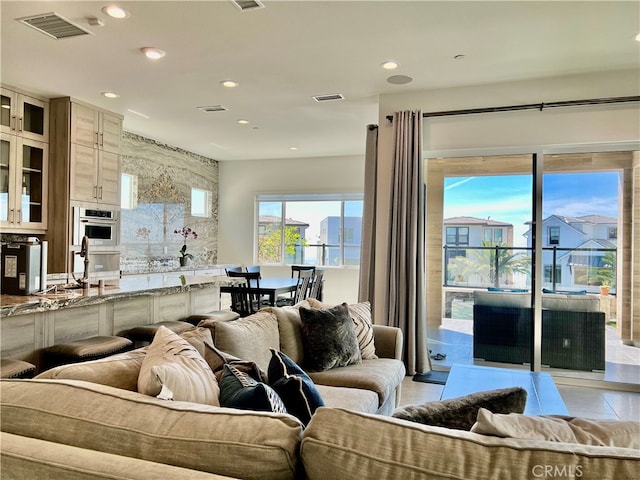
454, 338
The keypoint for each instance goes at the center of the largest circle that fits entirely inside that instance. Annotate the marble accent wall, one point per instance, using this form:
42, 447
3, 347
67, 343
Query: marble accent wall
163, 178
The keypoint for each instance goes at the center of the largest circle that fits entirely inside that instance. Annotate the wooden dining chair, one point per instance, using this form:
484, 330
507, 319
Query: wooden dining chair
296, 269
232, 269
315, 289
302, 289
253, 269
245, 298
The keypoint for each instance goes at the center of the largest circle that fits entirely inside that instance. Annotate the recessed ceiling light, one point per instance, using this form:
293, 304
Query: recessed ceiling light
243, 122
115, 11
110, 94
638, 37
390, 65
399, 79
293, 148
229, 83
153, 53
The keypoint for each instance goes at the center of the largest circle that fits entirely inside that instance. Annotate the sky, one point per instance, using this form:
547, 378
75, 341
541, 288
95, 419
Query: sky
508, 198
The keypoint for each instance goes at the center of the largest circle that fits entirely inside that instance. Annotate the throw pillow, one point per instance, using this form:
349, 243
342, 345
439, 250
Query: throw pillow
328, 338
361, 316
460, 413
558, 428
217, 359
239, 390
295, 387
174, 370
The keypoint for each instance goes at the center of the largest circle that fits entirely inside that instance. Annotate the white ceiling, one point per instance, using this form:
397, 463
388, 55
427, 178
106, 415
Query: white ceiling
285, 53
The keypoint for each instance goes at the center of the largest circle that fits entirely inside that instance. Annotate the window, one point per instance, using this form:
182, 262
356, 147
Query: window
321, 229
612, 233
497, 235
493, 236
128, 191
200, 202
554, 235
547, 274
457, 235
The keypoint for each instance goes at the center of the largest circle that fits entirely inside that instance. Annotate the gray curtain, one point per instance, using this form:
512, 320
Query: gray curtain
367, 249
407, 269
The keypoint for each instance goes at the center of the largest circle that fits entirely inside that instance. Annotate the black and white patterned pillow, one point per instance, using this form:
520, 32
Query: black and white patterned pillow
239, 390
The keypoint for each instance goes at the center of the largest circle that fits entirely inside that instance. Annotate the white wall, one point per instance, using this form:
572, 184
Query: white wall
241, 181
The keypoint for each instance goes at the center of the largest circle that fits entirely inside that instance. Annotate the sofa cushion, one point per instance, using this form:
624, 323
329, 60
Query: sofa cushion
576, 303
249, 338
119, 371
174, 370
556, 428
232, 442
461, 413
329, 338
239, 390
353, 446
361, 316
502, 299
28, 458
290, 325
295, 387
356, 399
380, 375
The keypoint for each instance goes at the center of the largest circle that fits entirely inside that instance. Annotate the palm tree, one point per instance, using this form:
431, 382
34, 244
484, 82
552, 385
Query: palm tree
490, 262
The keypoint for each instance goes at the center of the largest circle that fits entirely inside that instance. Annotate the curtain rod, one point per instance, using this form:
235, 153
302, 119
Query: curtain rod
531, 106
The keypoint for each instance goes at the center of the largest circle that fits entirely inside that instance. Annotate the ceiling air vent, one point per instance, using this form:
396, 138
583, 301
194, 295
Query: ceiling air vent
328, 98
54, 25
213, 108
243, 5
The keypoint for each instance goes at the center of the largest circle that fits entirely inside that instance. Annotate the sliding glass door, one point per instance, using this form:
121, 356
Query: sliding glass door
485, 254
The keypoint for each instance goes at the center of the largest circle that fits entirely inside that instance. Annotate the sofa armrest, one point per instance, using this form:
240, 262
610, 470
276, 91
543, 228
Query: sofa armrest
388, 341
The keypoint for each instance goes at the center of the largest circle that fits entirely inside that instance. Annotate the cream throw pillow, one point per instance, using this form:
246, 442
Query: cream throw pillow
361, 316
609, 433
174, 370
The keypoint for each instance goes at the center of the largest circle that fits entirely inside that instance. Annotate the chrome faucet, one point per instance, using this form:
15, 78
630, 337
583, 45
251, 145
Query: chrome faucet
84, 252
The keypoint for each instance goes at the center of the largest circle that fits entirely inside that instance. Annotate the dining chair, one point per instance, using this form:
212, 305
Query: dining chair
296, 269
232, 269
245, 298
253, 269
315, 289
302, 288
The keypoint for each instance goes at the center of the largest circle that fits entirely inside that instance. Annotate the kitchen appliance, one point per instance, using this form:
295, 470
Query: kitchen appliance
100, 226
24, 267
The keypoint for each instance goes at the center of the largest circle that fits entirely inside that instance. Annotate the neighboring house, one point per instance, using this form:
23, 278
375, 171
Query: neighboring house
575, 267
330, 229
461, 234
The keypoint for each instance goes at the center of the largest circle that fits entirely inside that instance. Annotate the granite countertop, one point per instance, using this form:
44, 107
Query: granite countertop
154, 284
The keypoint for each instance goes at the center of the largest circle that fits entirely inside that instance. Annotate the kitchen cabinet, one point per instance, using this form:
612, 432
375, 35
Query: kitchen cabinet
85, 171
24, 115
24, 160
96, 129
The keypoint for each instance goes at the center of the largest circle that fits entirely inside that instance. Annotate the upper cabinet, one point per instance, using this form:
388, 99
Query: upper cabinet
97, 129
92, 155
24, 161
23, 115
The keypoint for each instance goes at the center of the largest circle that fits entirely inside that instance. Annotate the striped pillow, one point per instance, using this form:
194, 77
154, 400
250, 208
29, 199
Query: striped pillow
361, 316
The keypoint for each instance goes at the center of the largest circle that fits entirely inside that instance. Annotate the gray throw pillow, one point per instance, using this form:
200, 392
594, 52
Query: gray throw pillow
328, 338
460, 413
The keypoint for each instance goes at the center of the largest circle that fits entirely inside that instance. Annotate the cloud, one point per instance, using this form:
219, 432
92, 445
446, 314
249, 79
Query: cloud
458, 183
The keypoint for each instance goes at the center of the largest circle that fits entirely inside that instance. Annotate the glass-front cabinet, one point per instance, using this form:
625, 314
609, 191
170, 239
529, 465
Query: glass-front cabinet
23, 184
24, 116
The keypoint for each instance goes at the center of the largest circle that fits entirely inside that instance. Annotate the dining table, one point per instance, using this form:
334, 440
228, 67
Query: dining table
271, 287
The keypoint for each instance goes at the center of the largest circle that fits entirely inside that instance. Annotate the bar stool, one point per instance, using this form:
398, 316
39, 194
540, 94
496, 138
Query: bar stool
143, 334
10, 368
218, 315
84, 349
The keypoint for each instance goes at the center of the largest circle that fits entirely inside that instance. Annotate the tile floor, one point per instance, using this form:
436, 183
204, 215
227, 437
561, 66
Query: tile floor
580, 401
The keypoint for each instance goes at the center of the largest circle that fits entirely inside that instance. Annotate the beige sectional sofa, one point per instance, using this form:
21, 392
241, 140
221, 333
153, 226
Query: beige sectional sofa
86, 421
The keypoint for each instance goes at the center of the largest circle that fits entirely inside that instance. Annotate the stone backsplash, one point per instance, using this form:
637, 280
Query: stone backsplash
163, 177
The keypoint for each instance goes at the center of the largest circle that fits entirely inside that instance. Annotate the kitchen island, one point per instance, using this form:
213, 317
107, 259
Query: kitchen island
30, 323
